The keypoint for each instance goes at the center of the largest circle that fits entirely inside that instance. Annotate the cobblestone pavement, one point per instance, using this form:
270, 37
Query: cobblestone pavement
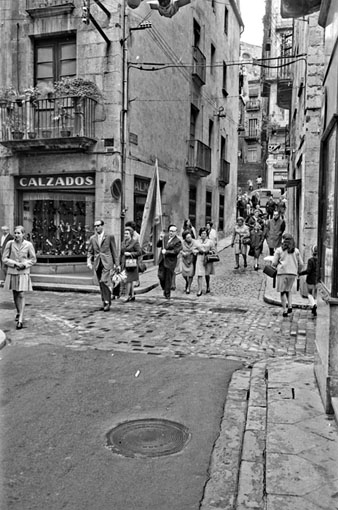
232, 321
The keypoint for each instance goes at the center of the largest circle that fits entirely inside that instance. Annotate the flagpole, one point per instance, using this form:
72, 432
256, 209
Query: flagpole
159, 194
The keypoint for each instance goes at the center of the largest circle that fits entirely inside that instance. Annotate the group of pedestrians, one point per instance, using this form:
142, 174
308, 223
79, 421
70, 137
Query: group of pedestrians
190, 252
248, 236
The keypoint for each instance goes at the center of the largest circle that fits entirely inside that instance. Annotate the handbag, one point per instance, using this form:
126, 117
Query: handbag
211, 257
270, 271
118, 277
246, 240
131, 263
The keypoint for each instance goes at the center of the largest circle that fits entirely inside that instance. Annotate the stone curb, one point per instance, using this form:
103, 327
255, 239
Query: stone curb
222, 486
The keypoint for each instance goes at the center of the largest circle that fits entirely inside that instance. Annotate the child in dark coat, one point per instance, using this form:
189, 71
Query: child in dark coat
256, 244
312, 280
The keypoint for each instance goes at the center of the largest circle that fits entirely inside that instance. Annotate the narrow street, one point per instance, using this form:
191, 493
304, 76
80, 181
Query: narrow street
231, 321
73, 373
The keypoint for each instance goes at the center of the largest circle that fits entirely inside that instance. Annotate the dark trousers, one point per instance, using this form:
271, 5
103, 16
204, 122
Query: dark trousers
165, 276
105, 291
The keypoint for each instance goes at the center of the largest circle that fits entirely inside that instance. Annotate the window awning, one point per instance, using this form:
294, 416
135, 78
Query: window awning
298, 8
293, 183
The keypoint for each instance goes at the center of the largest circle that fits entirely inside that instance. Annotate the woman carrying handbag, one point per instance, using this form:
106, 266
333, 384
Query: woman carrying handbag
130, 252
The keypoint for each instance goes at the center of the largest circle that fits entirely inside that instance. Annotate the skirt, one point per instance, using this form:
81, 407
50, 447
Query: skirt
18, 282
285, 282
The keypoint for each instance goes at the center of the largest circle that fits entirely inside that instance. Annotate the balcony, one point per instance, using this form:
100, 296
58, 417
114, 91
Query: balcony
224, 174
47, 8
252, 134
199, 69
253, 105
57, 124
199, 159
285, 79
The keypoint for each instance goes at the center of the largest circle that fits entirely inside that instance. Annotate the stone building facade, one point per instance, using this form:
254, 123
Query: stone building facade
250, 162
277, 91
305, 128
167, 93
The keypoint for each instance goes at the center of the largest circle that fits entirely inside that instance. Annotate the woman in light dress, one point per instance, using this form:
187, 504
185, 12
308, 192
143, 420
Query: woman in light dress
240, 234
19, 256
203, 246
188, 259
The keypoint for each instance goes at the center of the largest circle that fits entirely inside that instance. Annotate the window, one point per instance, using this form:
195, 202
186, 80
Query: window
221, 212
223, 148
197, 34
212, 59
253, 123
55, 59
226, 20
224, 82
211, 134
192, 204
252, 155
208, 206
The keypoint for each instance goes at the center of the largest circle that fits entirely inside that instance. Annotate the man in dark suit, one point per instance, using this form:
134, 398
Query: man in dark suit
5, 237
102, 257
170, 247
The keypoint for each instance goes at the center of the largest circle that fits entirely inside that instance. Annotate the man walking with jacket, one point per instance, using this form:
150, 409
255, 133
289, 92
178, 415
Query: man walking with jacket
102, 257
171, 246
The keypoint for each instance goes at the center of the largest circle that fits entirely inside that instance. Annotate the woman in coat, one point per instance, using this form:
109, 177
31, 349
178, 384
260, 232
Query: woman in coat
241, 232
19, 256
188, 259
203, 246
288, 262
130, 252
256, 244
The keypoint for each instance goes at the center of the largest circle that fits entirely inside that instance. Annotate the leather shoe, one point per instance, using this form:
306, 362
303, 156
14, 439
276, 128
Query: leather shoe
19, 325
199, 294
106, 307
129, 298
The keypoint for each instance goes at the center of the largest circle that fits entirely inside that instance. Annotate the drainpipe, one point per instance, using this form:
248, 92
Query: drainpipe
124, 109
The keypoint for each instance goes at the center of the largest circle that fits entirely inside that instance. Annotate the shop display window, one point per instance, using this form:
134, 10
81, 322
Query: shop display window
58, 224
328, 210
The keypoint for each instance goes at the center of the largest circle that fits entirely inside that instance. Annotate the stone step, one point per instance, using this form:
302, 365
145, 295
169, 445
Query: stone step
64, 279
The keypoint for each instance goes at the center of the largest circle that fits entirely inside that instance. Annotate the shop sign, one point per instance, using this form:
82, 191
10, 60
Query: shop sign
141, 185
280, 176
64, 181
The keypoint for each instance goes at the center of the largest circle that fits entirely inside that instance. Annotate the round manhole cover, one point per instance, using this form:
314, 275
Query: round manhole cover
150, 437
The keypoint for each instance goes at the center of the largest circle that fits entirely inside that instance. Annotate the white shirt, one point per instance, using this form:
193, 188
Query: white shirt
100, 238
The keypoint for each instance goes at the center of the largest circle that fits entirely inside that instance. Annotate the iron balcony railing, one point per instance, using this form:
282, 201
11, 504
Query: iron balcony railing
199, 158
252, 133
60, 117
253, 105
199, 69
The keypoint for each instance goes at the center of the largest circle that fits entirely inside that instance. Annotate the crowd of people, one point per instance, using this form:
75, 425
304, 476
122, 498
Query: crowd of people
193, 253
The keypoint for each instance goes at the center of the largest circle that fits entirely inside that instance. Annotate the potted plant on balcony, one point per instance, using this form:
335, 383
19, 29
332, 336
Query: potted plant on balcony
16, 123
77, 87
7, 96
62, 117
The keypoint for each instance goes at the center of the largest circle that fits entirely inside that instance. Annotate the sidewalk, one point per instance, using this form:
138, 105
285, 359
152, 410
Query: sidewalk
277, 448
